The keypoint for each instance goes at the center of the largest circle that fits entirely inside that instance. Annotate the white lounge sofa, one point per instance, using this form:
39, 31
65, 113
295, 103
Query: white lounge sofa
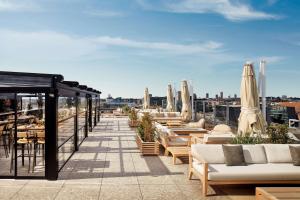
266, 164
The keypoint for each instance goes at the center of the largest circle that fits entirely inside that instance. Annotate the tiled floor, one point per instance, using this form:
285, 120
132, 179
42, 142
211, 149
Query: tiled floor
109, 166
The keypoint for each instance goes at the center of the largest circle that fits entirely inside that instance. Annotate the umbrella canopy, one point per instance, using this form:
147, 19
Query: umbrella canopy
186, 112
146, 99
170, 99
251, 119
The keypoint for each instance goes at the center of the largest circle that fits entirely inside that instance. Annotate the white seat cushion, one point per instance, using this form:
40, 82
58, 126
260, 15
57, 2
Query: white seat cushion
255, 154
211, 153
270, 171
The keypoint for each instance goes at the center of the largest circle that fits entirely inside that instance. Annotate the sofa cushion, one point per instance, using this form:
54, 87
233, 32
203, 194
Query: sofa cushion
255, 154
211, 153
222, 128
234, 155
278, 153
159, 115
295, 153
171, 114
219, 138
269, 171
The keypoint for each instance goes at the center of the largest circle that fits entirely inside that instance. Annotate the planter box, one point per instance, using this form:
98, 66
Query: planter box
147, 148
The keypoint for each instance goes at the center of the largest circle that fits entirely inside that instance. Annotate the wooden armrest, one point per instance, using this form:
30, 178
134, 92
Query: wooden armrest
202, 161
179, 136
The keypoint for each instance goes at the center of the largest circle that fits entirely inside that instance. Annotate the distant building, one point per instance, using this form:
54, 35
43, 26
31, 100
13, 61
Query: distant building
217, 97
158, 101
221, 95
284, 97
195, 96
109, 98
179, 95
235, 96
207, 95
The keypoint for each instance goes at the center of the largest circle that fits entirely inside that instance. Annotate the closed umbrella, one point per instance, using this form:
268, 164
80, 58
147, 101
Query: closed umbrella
170, 99
186, 111
250, 119
146, 99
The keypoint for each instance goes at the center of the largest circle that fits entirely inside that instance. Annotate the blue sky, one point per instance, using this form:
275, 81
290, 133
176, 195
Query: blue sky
122, 46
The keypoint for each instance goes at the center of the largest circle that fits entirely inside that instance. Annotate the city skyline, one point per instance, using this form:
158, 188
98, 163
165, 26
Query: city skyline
130, 45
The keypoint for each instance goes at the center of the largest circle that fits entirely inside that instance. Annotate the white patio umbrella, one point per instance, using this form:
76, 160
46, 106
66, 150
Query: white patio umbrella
186, 111
250, 119
146, 99
170, 99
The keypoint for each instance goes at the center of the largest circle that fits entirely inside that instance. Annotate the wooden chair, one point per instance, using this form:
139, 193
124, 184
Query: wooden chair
9, 134
39, 142
174, 141
2, 127
23, 139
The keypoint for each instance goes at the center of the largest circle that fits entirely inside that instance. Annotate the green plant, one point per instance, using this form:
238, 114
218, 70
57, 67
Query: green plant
133, 115
125, 109
146, 129
247, 139
278, 134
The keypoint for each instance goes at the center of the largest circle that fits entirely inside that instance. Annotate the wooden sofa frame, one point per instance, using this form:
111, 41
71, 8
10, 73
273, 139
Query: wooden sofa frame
165, 142
205, 182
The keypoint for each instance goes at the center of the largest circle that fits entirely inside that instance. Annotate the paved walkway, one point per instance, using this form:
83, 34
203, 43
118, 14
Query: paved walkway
109, 166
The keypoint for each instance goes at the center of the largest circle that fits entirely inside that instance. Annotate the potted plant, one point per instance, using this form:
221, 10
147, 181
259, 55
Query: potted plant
125, 109
133, 118
146, 137
278, 134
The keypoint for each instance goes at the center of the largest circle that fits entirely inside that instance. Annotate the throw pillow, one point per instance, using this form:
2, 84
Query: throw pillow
234, 155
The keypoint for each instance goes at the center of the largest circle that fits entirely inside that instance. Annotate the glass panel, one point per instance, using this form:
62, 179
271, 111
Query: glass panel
7, 119
30, 138
82, 104
66, 131
94, 105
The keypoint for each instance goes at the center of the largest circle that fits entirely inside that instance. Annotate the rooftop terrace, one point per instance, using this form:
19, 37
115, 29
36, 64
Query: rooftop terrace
108, 165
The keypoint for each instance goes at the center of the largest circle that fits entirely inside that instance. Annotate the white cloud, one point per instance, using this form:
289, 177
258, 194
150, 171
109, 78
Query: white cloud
103, 13
208, 46
232, 10
48, 46
18, 6
43, 45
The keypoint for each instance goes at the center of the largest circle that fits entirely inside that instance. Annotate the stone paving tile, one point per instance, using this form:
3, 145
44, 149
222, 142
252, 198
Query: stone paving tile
162, 192
7, 192
123, 192
156, 180
45, 183
30, 192
78, 192
119, 179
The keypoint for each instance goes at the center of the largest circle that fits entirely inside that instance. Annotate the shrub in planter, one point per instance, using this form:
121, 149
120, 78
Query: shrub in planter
133, 119
247, 139
278, 134
146, 137
125, 109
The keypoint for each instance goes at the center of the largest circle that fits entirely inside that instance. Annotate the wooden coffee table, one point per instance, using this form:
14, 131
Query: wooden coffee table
277, 193
178, 152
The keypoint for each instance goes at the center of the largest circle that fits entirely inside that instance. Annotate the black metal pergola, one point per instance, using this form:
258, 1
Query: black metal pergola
63, 132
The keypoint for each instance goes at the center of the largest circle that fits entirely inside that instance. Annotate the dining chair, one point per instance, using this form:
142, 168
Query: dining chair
2, 127
23, 139
39, 142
